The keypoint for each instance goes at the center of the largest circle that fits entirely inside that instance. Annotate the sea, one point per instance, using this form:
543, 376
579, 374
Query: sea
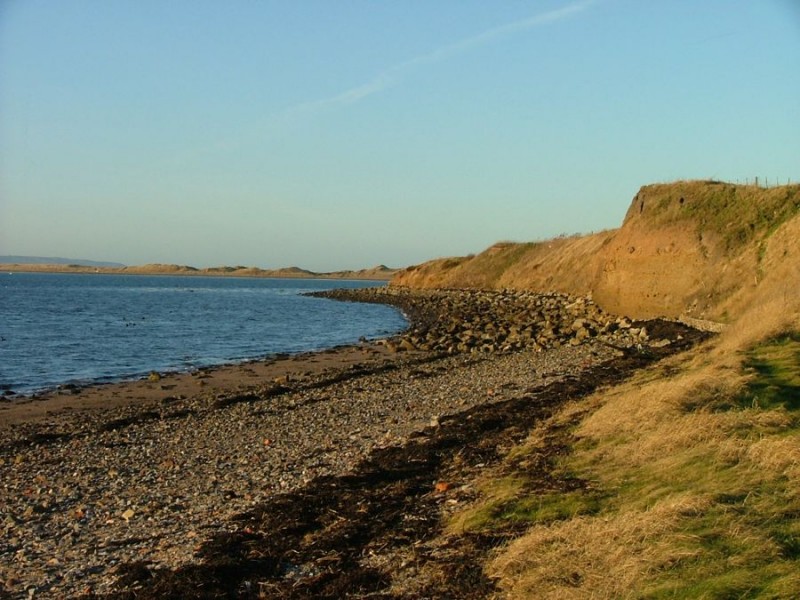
81, 329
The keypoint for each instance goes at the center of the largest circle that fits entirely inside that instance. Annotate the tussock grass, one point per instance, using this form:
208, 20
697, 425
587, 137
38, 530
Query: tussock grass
507, 500
602, 556
693, 483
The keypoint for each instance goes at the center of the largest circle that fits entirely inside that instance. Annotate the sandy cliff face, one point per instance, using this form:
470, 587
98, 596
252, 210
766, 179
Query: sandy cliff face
688, 248
659, 262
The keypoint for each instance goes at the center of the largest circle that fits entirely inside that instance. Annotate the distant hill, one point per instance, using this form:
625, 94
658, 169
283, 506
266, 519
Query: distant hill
48, 260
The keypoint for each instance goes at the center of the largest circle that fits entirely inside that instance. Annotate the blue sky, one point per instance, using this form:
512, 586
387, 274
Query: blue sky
334, 135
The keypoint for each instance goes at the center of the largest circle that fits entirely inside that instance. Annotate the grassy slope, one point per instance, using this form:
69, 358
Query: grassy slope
692, 488
690, 473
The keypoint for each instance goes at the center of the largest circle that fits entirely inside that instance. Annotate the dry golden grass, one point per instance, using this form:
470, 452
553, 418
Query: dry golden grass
695, 499
777, 455
596, 557
701, 479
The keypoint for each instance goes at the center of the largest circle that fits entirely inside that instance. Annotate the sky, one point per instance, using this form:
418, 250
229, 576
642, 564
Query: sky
342, 135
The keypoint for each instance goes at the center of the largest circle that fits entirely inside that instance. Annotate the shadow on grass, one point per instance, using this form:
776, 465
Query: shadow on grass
776, 366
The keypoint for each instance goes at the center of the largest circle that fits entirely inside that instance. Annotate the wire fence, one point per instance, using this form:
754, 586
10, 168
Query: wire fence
766, 182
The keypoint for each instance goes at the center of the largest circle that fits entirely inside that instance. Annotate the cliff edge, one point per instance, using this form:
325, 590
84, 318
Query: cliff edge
703, 249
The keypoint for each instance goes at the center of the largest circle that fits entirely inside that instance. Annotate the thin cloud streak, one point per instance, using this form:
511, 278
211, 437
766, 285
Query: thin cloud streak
384, 80
499, 32
351, 96
394, 75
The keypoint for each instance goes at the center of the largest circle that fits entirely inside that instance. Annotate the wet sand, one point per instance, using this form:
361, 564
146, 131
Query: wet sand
213, 380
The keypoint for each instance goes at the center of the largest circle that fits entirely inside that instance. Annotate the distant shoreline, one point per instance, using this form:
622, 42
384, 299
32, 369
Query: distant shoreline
379, 273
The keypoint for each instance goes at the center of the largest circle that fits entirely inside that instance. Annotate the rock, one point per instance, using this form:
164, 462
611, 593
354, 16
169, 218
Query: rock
578, 324
407, 346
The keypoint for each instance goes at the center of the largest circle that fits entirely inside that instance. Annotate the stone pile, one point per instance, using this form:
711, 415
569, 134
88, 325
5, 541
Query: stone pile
471, 321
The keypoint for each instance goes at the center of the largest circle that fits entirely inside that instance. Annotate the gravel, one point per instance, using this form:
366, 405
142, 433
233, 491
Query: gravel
91, 494
86, 492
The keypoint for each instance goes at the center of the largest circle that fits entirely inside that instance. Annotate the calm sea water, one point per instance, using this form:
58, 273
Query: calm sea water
57, 329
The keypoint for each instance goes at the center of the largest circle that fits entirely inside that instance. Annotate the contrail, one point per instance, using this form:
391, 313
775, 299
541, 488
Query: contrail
386, 79
393, 75
499, 32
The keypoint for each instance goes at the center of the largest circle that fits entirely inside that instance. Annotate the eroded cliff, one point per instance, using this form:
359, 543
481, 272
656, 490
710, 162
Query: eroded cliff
704, 249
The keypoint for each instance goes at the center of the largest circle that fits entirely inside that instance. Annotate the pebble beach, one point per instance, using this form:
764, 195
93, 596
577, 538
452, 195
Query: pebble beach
147, 471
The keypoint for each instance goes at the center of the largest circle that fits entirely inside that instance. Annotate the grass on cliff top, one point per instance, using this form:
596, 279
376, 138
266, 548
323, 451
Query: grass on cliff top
738, 214
691, 488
